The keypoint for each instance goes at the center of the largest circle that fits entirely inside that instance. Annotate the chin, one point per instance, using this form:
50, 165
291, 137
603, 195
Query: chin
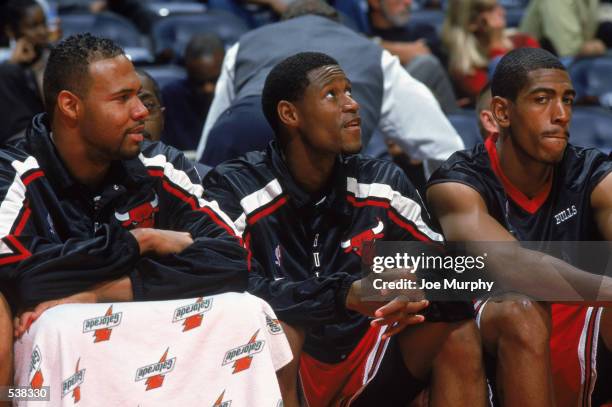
352, 149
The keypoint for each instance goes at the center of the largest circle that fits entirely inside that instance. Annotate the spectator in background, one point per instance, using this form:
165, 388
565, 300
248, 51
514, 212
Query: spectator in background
402, 108
568, 28
21, 76
415, 44
151, 98
475, 35
6, 346
255, 13
188, 100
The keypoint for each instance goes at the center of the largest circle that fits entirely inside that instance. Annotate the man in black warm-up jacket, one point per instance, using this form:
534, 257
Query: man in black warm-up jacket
90, 213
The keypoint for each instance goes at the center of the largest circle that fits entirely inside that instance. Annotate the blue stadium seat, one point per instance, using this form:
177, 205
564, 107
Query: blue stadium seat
592, 76
112, 26
514, 16
175, 31
167, 8
164, 74
435, 18
592, 127
357, 11
465, 122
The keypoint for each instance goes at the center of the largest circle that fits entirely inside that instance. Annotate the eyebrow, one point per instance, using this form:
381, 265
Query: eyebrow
551, 91
126, 90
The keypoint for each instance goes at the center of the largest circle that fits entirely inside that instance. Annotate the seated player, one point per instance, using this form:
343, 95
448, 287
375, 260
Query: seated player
304, 207
510, 188
90, 213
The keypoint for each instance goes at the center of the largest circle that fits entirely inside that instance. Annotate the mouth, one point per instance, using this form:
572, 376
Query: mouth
136, 130
556, 134
356, 122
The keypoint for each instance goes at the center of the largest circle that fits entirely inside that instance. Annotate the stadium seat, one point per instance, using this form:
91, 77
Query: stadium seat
591, 77
164, 74
590, 127
168, 8
514, 16
435, 18
112, 26
465, 122
175, 31
357, 11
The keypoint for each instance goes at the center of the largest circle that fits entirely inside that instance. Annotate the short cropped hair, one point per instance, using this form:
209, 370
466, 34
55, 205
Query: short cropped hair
511, 73
156, 91
301, 8
288, 80
68, 65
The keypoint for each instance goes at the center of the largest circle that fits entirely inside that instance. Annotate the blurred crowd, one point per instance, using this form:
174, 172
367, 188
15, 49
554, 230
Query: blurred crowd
451, 46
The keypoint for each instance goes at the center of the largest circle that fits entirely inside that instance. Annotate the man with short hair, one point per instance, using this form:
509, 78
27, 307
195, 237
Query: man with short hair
417, 45
298, 207
510, 189
90, 215
393, 103
188, 100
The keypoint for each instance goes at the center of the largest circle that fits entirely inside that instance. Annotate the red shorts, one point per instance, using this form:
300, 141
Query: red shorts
573, 349
338, 384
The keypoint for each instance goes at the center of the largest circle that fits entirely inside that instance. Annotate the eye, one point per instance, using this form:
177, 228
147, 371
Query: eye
349, 91
568, 100
330, 94
541, 99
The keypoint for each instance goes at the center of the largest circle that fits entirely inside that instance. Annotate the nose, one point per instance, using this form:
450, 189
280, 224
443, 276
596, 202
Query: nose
562, 113
350, 105
139, 111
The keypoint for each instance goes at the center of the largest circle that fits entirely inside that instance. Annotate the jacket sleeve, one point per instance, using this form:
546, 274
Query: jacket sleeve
38, 263
310, 302
215, 263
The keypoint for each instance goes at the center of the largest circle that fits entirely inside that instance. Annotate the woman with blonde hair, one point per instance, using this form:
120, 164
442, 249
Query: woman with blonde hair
475, 35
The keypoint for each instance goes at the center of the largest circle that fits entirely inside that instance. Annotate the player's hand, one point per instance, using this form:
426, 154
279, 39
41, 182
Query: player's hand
161, 242
24, 52
23, 321
398, 314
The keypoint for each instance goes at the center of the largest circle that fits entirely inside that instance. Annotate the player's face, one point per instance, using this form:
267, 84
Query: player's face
154, 124
113, 118
329, 116
539, 118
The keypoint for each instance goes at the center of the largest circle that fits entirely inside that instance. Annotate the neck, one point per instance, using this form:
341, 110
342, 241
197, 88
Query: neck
76, 155
526, 174
379, 21
310, 170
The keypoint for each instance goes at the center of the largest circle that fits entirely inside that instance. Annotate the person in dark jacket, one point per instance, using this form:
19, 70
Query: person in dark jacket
304, 207
91, 213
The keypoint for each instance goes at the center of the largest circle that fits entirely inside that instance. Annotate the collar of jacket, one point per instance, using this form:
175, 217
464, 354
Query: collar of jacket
335, 194
38, 140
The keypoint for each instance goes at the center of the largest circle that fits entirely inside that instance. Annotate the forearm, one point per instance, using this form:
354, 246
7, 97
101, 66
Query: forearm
115, 291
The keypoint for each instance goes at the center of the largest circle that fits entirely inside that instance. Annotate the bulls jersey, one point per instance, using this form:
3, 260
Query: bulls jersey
561, 214
308, 248
58, 237
564, 214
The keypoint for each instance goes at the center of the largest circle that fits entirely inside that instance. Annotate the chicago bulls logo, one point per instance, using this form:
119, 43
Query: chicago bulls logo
141, 216
355, 243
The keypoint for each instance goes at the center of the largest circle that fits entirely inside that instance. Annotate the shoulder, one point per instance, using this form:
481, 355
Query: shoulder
582, 166
245, 174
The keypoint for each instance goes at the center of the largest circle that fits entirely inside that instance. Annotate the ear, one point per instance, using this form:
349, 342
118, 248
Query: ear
500, 107
488, 122
69, 105
287, 114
